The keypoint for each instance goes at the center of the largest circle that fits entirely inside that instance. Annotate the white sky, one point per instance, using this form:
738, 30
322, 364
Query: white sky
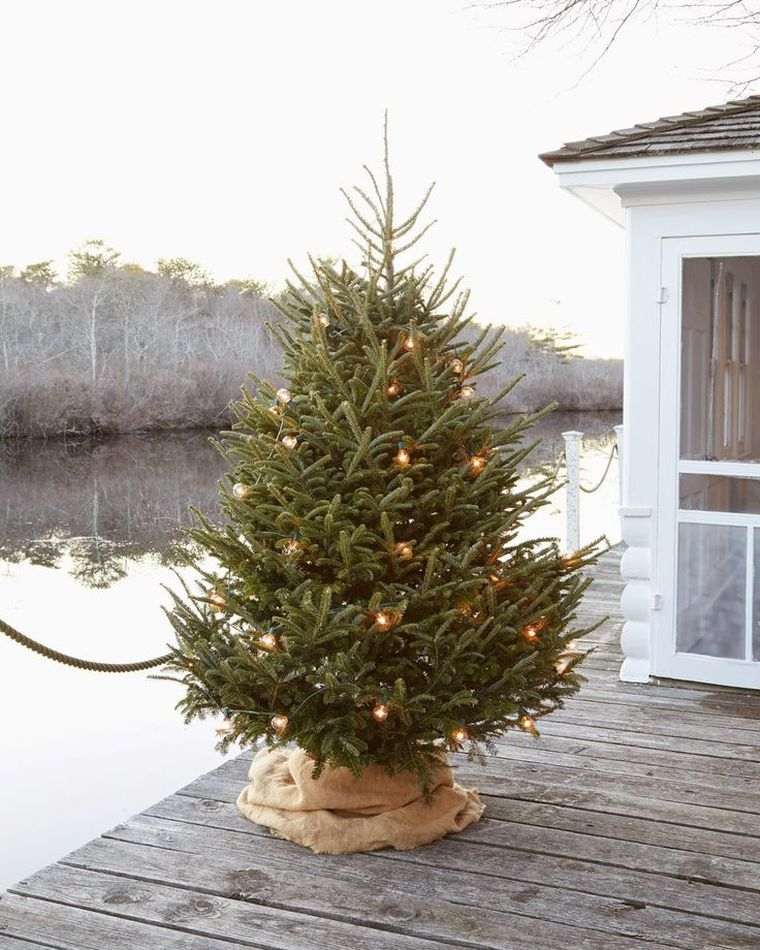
221, 131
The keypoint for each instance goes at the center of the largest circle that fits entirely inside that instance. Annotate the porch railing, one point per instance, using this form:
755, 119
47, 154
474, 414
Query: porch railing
573, 486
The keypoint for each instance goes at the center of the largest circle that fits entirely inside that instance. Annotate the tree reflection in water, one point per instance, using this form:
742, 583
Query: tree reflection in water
92, 508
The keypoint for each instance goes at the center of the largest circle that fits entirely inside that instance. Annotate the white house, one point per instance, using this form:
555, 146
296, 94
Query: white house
687, 191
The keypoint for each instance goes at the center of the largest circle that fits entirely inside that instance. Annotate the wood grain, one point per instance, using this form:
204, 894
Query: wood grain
633, 823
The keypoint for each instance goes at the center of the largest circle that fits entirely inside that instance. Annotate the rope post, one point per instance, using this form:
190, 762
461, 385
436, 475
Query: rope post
572, 490
619, 434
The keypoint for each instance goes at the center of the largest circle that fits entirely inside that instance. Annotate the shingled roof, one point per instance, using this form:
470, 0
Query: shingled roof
733, 125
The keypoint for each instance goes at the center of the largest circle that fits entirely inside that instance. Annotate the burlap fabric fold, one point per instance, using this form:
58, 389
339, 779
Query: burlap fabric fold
339, 813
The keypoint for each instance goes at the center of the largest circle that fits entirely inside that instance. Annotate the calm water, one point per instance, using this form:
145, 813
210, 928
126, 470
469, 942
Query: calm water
88, 536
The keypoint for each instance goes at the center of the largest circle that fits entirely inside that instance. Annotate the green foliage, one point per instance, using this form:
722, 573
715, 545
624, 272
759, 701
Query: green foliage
94, 258
183, 271
377, 550
248, 286
42, 274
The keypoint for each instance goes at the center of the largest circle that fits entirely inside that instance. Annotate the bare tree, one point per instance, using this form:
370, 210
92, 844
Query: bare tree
593, 26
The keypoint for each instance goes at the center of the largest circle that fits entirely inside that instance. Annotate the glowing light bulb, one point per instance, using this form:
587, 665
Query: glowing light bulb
380, 712
466, 392
404, 551
383, 620
403, 458
409, 343
289, 441
528, 724
324, 319
477, 464
279, 723
457, 366
530, 633
283, 396
268, 642
291, 547
393, 388
241, 491
460, 735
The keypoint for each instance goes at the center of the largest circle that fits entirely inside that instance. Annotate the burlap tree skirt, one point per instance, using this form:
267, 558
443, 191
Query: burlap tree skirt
339, 813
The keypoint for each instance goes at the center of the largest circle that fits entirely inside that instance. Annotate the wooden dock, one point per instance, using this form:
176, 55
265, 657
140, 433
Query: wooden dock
634, 822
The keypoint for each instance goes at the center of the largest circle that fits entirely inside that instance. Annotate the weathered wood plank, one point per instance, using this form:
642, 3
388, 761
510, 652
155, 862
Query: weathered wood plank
709, 768
225, 785
49, 924
733, 868
405, 899
12, 943
460, 854
723, 808
620, 765
236, 921
222, 814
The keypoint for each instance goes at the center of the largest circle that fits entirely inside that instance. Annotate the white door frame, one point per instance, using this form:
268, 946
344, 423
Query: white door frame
666, 660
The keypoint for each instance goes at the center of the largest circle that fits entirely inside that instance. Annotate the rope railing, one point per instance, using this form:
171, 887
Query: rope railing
93, 665
590, 491
573, 486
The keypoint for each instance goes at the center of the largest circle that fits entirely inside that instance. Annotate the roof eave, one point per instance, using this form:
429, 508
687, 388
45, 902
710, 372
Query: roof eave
610, 184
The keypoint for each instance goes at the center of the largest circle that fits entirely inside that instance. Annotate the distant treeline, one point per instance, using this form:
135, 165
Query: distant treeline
116, 348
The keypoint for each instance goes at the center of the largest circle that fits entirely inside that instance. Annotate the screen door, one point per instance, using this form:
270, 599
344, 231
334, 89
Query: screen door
709, 480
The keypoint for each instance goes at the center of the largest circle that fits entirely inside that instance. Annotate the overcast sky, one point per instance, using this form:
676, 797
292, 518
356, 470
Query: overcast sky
221, 131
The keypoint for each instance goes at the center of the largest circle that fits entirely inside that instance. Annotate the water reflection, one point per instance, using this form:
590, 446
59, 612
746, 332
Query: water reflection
94, 508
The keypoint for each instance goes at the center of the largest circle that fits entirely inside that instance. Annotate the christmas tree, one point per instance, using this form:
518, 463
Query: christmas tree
373, 598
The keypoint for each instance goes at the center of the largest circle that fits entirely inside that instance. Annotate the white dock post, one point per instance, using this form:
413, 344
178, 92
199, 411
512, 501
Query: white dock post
619, 436
572, 490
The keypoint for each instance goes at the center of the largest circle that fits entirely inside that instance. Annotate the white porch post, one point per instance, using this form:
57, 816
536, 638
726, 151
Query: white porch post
572, 490
619, 434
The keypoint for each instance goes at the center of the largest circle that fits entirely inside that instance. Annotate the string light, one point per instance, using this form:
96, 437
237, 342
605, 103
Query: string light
241, 491
477, 463
466, 392
528, 724
291, 547
403, 458
404, 551
324, 319
218, 600
279, 723
289, 441
531, 631
268, 642
394, 388
460, 735
283, 396
380, 712
457, 366
383, 620
409, 343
